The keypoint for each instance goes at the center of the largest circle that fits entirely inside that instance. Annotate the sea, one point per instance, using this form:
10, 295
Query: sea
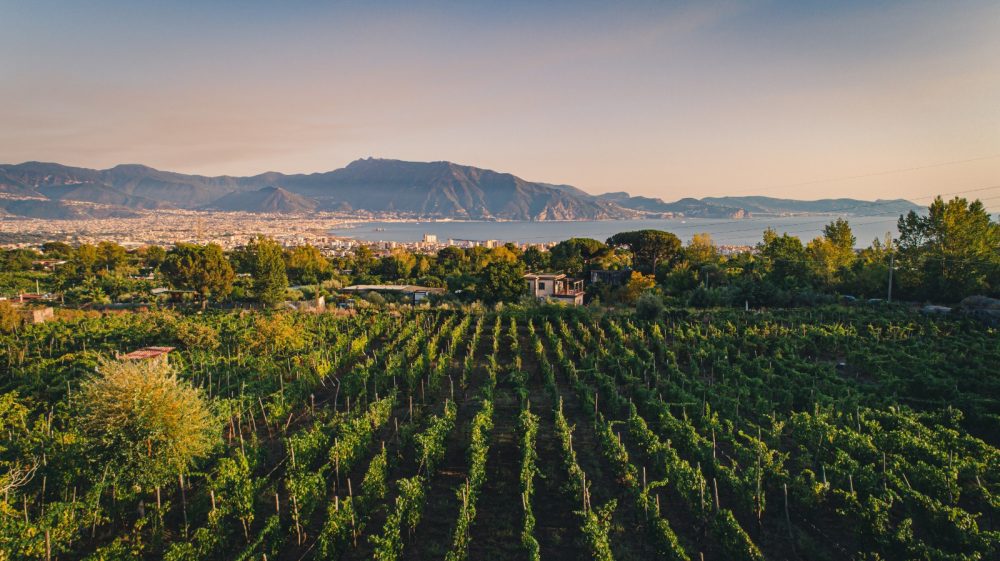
724, 232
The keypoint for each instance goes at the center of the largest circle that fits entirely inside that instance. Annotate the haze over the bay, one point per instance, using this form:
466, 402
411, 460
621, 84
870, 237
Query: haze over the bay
786, 99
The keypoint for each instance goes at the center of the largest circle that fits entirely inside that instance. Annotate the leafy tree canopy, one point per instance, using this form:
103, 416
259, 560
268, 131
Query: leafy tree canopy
202, 268
147, 425
306, 265
649, 248
572, 255
953, 251
502, 281
267, 266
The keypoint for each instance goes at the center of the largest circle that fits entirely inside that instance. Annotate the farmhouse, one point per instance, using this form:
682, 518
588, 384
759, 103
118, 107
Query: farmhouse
416, 293
556, 287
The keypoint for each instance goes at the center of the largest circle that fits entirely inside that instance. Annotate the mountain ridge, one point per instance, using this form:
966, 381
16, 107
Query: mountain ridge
376, 186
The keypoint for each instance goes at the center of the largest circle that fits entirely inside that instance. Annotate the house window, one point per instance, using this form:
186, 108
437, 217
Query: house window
541, 285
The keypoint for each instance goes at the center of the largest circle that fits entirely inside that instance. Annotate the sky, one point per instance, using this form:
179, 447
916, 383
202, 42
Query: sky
664, 99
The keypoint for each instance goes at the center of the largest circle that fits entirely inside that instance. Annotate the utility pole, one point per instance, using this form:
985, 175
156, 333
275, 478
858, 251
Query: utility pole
892, 257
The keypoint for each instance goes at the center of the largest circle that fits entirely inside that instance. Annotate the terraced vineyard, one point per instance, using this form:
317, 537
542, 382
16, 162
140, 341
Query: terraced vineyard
541, 434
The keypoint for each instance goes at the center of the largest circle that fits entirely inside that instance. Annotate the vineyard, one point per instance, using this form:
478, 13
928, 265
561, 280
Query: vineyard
826, 434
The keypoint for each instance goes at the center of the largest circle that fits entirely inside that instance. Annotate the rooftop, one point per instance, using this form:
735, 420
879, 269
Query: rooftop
146, 353
544, 276
405, 288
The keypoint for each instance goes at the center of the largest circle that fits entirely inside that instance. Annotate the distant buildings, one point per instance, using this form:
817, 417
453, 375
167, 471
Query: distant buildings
311, 306
416, 293
48, 264
555, 287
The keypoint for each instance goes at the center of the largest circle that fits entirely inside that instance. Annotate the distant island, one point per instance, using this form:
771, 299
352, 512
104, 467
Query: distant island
374, 187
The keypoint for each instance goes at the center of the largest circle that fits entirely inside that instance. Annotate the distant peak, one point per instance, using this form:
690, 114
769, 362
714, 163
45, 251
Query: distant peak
133, 167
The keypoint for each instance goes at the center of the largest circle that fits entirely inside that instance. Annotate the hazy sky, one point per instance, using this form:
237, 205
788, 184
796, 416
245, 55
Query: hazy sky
804, 99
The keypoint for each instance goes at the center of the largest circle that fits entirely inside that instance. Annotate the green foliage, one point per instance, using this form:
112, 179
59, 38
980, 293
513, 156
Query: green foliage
596, 528
468, 494
10, 317
404, 516
144, 422
202, 268
572, 256
306, 265
502, 281
881, 423
952, 252
398, 265
13, 260
528, 424
649, 248
784, 260
430, 443
267, 267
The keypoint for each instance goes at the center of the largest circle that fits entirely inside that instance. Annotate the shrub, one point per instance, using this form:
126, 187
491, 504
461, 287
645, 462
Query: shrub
649, 306
144, 422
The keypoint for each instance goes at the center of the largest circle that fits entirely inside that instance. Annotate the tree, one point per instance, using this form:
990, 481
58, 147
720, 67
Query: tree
506, 252
784, 260
144, 423
422, 267
57, 250
364, 261
572, 256
306, 265
840, 235
649, 306
152, 256
267, 267
90, 290
952, 252
398, 265
501, 281
869, 273
81, 264
17, 259
110, 256
637, 284
649, 247
832, 253
202, 268
451, 261
701, 250
10, 317
19, 461
536, 259
479, 258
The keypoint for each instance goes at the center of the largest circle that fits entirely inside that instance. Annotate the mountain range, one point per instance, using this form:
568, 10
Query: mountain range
367, 186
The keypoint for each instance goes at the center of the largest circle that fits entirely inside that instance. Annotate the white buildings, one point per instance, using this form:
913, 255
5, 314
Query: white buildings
556, 287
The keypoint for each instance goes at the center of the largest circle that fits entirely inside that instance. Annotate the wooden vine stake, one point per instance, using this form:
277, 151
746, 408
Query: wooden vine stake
788, 518
715, 491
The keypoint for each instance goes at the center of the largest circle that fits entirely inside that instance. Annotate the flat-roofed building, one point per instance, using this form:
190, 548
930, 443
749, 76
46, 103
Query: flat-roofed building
556, 287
